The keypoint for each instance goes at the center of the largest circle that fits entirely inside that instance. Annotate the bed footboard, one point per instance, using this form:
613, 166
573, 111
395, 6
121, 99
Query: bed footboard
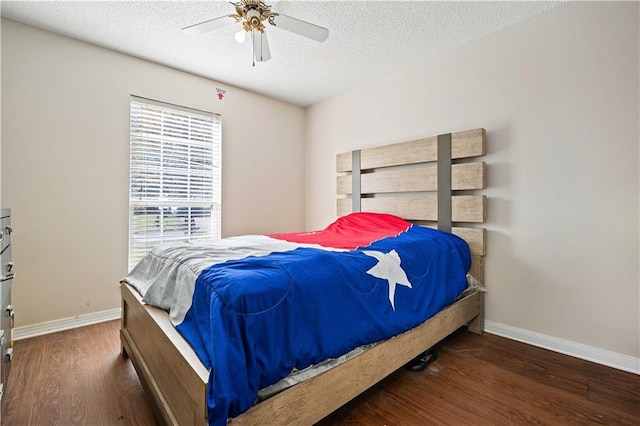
169, 369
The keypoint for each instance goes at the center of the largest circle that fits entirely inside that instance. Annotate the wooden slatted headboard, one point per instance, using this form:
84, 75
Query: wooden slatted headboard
402, 179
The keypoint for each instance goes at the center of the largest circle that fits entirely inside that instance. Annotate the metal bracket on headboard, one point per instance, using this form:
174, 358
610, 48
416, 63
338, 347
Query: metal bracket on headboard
356, 194
444, 182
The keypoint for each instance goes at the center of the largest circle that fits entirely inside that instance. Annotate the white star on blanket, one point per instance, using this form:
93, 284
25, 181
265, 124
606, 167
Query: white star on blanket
388, 268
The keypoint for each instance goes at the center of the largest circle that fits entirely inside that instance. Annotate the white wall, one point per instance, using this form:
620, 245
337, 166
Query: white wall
65, 154
1, 205
558, 95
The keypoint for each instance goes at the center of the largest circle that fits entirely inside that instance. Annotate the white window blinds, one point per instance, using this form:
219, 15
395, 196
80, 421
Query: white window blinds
175, 173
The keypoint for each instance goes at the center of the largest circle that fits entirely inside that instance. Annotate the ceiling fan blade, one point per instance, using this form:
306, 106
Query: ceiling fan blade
261, 46
210, 25
266, 51
299, 27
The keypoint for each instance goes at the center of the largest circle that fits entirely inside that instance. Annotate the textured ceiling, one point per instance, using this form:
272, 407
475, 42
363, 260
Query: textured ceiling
367, 39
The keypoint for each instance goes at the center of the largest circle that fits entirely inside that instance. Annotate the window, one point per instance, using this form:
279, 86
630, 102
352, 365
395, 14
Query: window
174, 183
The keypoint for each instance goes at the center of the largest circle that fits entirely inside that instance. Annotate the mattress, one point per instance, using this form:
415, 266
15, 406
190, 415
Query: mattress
256, 308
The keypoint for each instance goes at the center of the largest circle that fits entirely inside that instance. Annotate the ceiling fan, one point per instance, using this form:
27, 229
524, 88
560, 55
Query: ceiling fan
253, 14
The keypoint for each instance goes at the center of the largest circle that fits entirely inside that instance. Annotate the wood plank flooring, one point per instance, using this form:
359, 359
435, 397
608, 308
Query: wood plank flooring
78, 377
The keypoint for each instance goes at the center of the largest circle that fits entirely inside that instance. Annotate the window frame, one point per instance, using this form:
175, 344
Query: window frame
181, 193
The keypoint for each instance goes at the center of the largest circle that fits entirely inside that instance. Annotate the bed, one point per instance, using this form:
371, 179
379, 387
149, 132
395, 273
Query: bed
398, 179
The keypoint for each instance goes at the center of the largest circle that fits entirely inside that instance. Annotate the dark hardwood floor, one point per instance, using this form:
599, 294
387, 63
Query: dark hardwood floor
78, 377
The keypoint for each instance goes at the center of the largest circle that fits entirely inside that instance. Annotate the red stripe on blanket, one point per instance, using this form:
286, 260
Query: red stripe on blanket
351, 231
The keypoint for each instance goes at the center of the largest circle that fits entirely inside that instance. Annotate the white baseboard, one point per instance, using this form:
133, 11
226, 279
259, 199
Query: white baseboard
34, 330
578, 350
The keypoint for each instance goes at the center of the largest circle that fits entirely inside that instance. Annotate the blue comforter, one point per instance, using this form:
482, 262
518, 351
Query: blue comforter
252, 320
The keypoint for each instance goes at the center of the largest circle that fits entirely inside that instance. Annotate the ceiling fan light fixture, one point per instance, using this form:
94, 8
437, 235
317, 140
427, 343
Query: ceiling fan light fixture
241, 35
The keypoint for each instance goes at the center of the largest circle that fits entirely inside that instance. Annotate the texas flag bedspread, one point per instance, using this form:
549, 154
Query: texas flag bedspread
256, 307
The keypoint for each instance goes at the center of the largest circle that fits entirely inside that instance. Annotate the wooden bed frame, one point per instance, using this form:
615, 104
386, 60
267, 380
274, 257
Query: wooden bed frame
392, 179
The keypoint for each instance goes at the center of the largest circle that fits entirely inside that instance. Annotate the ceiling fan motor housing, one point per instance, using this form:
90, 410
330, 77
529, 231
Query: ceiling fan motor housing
252, 13
254, 19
